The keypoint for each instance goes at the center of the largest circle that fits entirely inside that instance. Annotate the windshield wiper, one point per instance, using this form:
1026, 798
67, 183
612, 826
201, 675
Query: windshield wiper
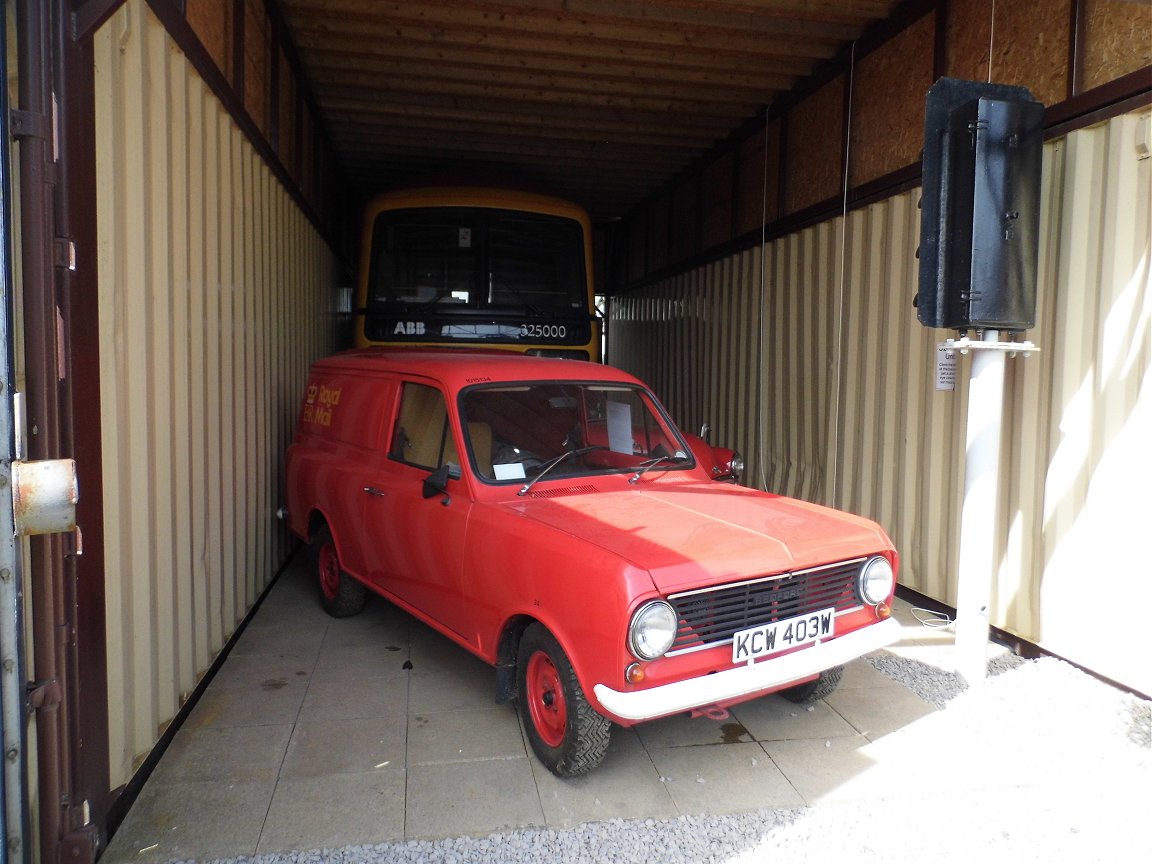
675, 459
567, 454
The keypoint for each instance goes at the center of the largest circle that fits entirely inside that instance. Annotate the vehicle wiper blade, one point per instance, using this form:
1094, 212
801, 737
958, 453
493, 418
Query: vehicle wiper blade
675, 459
567, 454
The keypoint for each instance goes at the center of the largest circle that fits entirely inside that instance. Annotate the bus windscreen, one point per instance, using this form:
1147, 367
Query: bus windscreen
477, 274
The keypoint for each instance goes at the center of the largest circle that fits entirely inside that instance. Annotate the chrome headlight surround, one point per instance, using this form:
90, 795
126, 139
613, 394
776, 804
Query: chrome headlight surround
652, 630
876, 580
736, 466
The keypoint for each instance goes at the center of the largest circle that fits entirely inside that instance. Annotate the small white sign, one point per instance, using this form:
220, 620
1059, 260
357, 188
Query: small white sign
620, 427
945, 367
465, 238
509, 471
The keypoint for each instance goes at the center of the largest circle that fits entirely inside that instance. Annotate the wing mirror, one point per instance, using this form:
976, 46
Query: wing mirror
436, 483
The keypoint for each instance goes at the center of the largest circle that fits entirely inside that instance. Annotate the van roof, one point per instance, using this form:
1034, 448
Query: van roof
462, 368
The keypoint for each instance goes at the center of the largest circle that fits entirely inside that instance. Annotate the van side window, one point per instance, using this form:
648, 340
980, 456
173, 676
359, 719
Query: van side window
422, 436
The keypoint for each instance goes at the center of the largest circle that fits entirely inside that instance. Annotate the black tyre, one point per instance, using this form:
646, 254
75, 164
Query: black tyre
815, 689
566, 733
340, 594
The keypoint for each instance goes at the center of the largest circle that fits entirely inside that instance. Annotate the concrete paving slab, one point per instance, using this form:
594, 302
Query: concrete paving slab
456, 798
344, 662
275, 702
625, 786
335, 810
723, 778
836, 769
878, 712
684, 730
774, 718
464, 736
205, 819
301, 641
355, 697
376, 625
252, 670
345, 747
473, 686
224, 754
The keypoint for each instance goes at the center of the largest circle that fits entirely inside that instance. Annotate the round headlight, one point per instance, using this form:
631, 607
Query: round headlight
737, 464
876, 580
652, 630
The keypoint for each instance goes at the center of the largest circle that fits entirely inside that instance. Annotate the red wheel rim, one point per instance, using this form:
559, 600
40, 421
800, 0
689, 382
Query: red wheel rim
546, 701
329, 571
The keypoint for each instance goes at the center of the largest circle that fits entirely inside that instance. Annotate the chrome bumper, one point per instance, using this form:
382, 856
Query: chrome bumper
744, 680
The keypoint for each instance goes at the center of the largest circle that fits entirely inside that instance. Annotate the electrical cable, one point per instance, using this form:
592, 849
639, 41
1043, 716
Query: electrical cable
835, 432
761, 446
938, 621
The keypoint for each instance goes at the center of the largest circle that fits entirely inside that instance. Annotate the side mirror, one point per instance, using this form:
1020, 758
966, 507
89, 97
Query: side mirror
436, 483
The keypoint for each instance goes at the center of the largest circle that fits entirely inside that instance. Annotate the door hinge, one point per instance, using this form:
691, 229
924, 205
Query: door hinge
29, 124
65, 253
43, 694
80, 846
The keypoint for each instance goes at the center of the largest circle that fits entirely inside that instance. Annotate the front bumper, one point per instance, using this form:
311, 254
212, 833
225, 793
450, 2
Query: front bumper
744, 680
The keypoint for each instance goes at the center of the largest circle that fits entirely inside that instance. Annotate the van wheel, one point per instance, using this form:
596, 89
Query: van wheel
340, 594
815, 690
566, 733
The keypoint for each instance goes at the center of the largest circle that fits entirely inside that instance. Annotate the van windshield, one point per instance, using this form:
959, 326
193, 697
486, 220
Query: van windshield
515, 430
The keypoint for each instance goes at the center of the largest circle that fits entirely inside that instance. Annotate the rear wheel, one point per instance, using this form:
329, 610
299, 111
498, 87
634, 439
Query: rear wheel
340, 594
566, 733
816, 689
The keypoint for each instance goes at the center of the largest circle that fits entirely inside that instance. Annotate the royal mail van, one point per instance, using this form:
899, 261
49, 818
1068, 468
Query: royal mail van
549, 517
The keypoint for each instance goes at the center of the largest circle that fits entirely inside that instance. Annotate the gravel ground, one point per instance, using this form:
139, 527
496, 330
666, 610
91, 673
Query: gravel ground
1081, 751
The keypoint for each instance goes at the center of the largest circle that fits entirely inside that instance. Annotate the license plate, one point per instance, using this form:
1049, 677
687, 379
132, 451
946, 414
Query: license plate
755, 642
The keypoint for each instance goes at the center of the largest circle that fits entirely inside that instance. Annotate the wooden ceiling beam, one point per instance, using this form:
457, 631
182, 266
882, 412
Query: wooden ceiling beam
370, 56
471, 80
463, 94
382, 124
646, 127
662, 20
545, 152
449, 23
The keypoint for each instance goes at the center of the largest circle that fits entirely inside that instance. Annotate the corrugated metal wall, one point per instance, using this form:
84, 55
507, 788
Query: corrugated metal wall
215, 295
850, 414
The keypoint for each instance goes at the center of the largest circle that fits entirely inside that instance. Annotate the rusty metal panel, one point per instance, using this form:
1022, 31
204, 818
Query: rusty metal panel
214, 300
843, 408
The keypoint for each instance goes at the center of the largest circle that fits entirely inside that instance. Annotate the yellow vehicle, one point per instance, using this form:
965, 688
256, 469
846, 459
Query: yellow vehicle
477, 267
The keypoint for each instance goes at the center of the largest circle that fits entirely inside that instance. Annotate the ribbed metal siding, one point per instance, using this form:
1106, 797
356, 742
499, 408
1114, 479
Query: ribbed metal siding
215, 296
850, 415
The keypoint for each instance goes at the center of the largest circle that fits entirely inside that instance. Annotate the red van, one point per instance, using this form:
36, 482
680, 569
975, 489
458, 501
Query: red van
549, 517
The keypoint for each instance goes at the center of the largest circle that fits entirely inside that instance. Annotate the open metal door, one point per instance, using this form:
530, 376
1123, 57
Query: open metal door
13, 786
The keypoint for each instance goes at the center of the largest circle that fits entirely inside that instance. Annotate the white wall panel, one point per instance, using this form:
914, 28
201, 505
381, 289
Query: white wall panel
215, 295
851, 417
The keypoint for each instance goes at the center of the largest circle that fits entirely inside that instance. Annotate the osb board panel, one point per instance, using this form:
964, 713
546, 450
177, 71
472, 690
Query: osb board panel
210, 20
658, 218
757, 203
685, 214
1029, 44
813, 157
888, 103
1118, 40
637, 244
286, 111
256, 64
718, 200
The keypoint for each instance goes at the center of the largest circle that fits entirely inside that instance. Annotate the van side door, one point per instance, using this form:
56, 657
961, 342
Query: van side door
415, 544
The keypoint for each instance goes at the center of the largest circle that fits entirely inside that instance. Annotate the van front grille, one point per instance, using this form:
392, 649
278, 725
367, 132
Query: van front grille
711, 616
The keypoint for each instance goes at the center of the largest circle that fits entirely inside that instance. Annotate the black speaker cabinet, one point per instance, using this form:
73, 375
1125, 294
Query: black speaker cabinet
980, 219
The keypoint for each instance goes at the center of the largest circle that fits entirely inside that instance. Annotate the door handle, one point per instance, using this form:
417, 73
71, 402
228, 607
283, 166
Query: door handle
372, 490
